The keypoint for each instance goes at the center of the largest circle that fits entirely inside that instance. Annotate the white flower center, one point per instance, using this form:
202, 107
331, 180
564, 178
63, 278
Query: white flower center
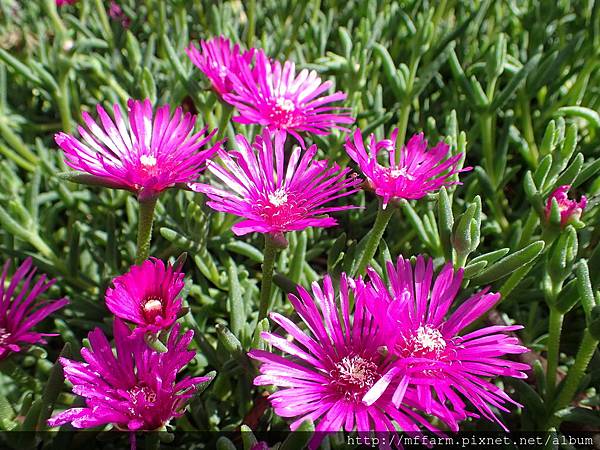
152, 308
429, 339
279, 197
353, 375
4, 335
401, 172
148, 160
285, 104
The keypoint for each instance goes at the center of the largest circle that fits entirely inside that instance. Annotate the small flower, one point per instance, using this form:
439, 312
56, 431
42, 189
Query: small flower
273, 199
147, 295
65, 2
419, 171
19, 310
116, 13
152, 154
280, 99
326, 371
570, 210
430, 354
136, 389
217, 60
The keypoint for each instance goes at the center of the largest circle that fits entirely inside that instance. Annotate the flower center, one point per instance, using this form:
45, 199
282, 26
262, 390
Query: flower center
427, 342
400, 172
141, 392
148, 160
284, 113
4, 335
353, 376
279, 197
151, 308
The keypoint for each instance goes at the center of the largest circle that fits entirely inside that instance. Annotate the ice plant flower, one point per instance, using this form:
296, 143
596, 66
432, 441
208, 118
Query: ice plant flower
65, 2
419, 171
326, 371
271, 198
431, 354
570, 210
276, 97
151, 153
136, 389
217, 59
19, 309
147, 295
116, 13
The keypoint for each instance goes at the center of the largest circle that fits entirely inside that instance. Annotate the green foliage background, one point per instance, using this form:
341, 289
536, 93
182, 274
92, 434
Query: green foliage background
515, 84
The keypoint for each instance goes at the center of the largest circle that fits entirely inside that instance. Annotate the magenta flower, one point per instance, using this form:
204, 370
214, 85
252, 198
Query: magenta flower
147, 295
19, 311
326, 371
419, 171
136, 389
273, 199
570, 210
65, 2
280, 99
217, 60
116, 13
430, 354
153, 153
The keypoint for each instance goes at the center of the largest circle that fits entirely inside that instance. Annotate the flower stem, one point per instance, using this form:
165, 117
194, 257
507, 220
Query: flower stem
575, 375
554, 331
375, 235
226, 112
267, 275
146, 217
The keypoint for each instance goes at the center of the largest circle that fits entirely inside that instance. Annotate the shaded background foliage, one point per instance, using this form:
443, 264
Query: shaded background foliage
514, 83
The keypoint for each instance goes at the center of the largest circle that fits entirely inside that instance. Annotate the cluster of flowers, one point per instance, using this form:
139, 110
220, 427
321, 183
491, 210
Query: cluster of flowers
371, 355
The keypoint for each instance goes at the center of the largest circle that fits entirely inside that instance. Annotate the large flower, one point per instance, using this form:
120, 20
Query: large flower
327, 370
147, 295
273, 199
134, 390
570, 210
19, 309
418, 172
217, 60
431, 355
153, 153
278, 98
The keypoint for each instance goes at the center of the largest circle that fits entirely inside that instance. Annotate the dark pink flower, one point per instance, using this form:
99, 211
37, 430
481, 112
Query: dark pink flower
570, 210
271, 197
217, 60
65, 2
276, 97
19, 309
326, 371
136, 389
147, 295
419, 171
150, 153
431, 356
116, 13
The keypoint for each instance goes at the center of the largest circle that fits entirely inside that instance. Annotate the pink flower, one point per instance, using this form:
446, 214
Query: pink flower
152, 154
570, 210
325, 371
218, 60
116, 13
65, 2
134, 390
431, 356
271, 198
280, 99
147, 295
419, 171
19, 310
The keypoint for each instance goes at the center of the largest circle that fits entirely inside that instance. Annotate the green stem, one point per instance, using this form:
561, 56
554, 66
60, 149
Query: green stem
251, 13
146, 217
226, 112
575, 375
267, 276
62, 99
405, 110
375, 236
487, 143
554, 331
